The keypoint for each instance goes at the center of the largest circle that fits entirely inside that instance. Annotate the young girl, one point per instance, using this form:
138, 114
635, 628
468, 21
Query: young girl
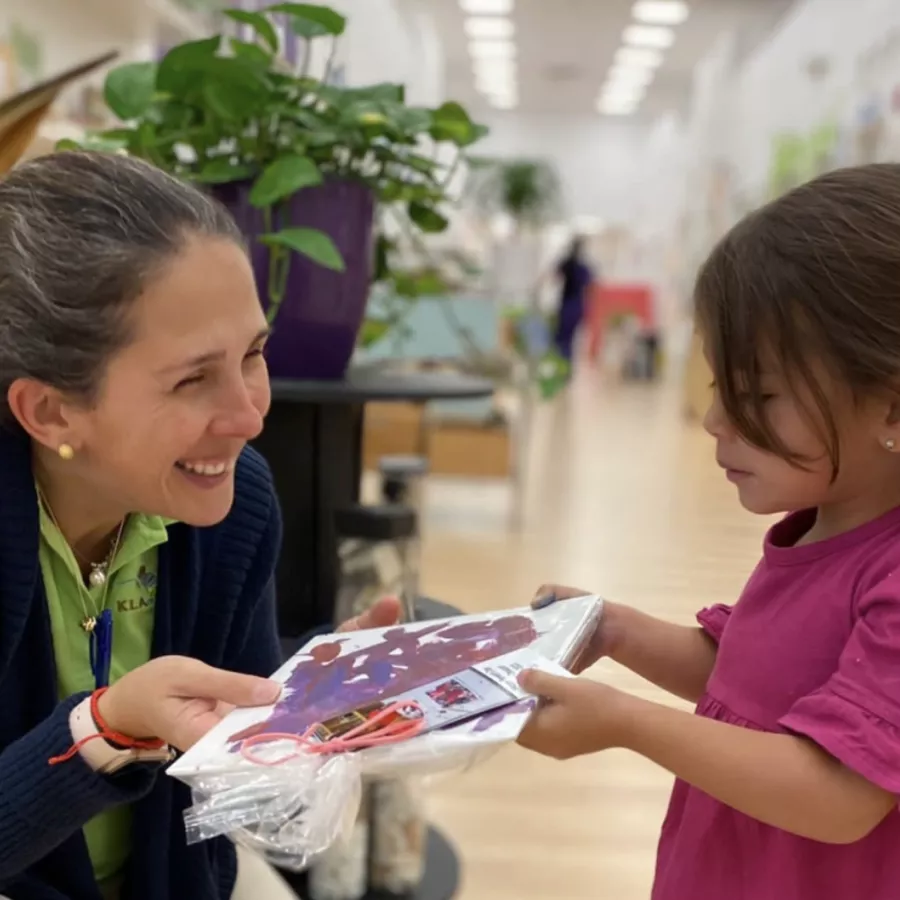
787, 777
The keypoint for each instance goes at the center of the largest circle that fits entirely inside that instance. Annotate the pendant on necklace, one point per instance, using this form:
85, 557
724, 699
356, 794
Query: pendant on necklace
88, 624
97, 578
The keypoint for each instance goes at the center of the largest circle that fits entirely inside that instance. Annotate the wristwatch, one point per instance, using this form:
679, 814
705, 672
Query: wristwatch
103, 756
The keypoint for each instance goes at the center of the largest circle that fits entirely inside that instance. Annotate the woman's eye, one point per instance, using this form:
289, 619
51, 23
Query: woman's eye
192, 379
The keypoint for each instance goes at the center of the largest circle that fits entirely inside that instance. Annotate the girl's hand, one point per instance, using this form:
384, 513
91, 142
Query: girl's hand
577, 716
178, 700
602, 641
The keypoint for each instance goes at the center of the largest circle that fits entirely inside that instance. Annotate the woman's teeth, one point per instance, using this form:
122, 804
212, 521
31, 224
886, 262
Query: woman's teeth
200, 468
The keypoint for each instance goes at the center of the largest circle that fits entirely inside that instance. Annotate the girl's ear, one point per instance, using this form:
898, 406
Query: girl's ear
892, 419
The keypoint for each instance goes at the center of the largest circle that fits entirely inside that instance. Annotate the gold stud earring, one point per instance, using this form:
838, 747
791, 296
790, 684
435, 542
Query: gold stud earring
66, 452
890, 445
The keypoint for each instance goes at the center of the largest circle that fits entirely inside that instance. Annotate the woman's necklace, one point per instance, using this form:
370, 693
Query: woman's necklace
97, 626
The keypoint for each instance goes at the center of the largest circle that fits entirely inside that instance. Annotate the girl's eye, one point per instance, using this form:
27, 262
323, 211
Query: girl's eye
747, 398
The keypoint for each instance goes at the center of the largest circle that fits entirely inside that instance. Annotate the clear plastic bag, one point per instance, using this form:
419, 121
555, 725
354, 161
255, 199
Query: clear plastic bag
290, 813
407, 702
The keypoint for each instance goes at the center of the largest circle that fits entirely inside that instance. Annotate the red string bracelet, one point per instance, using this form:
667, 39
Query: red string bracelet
106, 733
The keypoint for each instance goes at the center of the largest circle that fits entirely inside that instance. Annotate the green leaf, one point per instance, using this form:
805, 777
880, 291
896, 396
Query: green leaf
384, 92
309, 242
429, 284
125, 135
421, 163
250, 53
67, 144
181, 66
414, 120
372, 331
283, 178
452, 123
383, 247
231, 99
259, 23
427, 218
324, 138
222, 170
310, 20
390, 192
129, 89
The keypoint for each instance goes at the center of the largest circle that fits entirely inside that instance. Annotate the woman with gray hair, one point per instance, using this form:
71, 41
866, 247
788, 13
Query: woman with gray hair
138, 532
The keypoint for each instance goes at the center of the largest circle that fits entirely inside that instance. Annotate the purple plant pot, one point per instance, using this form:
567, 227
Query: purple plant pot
314, 333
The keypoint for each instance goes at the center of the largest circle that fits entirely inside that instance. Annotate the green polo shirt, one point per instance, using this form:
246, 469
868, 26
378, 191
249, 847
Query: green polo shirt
131, 595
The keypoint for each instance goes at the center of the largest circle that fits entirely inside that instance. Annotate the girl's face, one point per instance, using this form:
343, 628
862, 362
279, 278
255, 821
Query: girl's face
180, 402
768, 484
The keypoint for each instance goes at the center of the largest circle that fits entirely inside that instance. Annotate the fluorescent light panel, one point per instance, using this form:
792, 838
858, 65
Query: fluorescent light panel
492, 27
494, 75
487, 7
639, 56
619, 74
656, 37
660, 12
492, 49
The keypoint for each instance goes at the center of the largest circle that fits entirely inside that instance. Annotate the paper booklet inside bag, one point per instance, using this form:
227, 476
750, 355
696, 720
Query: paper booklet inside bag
408, 700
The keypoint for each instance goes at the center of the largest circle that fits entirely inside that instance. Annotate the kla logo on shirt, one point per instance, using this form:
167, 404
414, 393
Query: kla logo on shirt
145, 598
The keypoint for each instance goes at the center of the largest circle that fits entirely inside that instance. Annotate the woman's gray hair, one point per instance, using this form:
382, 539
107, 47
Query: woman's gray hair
80, 235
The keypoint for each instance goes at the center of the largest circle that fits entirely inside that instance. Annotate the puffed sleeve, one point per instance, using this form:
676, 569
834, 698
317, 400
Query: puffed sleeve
713, 620
855, 715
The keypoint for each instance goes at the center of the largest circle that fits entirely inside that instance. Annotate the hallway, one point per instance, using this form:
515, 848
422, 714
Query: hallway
626, 501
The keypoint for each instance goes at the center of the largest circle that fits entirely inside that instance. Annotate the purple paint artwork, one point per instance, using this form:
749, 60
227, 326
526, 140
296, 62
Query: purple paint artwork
498, 716
328, 682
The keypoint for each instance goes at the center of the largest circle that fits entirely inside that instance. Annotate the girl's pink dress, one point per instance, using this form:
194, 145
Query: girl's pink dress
812, 648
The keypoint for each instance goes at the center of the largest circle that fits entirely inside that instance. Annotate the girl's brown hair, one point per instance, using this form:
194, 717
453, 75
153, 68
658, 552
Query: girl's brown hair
810, 280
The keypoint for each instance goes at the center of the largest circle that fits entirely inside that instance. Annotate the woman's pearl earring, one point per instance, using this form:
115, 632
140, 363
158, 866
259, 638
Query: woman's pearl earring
66, 452
890, 444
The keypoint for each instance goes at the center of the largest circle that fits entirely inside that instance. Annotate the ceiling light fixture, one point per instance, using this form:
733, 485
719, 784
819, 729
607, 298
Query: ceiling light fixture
503, 102
613, 93
619, 74
487, 7
612, 107
490, 27
660, 12
639, 56
656, 37
494, 70
492, 49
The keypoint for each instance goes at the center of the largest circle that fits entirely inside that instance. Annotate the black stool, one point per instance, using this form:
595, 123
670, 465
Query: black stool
373, 541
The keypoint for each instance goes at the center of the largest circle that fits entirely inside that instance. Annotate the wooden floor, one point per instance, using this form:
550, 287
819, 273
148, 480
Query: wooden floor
624, 499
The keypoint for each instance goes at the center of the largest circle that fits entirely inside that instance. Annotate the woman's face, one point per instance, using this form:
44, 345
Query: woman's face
179, 403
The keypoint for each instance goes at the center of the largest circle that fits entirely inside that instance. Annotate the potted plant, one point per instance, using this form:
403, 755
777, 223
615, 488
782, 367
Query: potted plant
526, 190
300, 162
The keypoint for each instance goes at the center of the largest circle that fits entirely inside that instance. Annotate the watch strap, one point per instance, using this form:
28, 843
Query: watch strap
101, 755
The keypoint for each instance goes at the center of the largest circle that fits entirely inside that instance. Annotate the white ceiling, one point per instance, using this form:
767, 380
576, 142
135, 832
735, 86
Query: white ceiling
565, 48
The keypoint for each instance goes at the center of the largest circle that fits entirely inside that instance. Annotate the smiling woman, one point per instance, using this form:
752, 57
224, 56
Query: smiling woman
138, 531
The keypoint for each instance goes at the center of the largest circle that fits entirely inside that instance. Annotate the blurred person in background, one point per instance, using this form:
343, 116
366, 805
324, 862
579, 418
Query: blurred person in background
575, 278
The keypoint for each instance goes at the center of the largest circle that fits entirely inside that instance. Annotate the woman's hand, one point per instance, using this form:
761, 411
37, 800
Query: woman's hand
178, 700
383, 614
576, 716
601, 642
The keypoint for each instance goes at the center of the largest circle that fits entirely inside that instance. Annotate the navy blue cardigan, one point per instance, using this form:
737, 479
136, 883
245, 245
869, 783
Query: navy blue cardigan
215, 602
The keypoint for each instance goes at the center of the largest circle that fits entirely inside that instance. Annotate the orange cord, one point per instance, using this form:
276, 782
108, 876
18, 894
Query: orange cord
392, 732
107, 734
